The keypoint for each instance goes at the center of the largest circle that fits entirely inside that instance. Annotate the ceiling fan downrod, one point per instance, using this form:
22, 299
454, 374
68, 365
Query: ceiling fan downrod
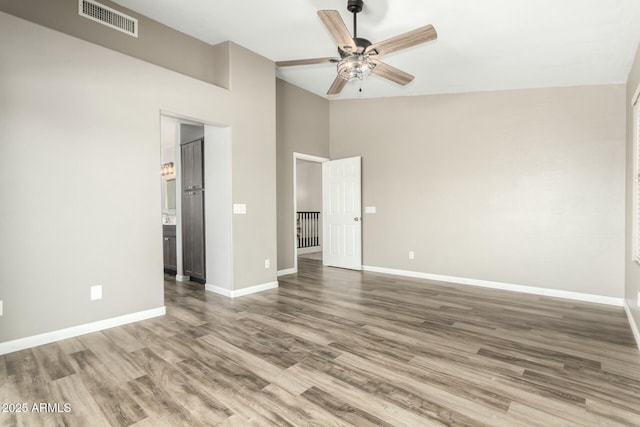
355, 7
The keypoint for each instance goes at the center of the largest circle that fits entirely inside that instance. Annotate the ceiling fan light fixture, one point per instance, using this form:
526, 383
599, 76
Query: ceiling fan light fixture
359, 58
355, 67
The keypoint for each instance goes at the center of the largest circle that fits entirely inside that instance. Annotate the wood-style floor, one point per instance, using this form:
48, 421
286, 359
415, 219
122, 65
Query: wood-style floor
337, 347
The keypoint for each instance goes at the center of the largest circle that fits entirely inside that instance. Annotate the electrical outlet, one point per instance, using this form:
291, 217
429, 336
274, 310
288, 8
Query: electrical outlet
267, 263
411, 255
96, 292
1, 309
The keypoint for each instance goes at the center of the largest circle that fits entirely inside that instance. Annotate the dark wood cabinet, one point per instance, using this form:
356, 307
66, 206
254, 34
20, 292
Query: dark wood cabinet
169, 248
193, 194
193, 165
193, 234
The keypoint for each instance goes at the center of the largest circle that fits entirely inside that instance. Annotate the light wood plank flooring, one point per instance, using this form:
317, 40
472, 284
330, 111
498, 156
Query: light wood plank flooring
334, 347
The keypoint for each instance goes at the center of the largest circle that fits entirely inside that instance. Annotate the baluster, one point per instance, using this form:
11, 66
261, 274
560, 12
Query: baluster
298, 230
315, 229
306, 243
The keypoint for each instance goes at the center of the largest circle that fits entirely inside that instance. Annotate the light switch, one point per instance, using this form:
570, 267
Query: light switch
370, 209
239, 209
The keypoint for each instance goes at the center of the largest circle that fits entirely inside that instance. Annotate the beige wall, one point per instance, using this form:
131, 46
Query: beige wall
253, 85
80, 143
222, 67
522, 187
81, 131
156, 43
302, 126
632, 270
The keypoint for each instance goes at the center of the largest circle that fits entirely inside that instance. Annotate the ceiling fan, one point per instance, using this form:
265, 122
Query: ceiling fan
358, 56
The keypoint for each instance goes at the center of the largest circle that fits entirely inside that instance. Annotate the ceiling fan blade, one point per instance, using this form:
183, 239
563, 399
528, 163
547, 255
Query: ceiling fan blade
404, 41
336, 26
337, 86
391, 73
304, 62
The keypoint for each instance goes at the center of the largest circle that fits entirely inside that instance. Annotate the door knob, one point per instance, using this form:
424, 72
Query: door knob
356, 219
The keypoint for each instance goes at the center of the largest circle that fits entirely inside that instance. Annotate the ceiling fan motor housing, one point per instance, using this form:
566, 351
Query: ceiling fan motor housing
360, 42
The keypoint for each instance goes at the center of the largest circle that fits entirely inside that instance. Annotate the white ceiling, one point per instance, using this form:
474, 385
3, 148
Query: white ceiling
482, 45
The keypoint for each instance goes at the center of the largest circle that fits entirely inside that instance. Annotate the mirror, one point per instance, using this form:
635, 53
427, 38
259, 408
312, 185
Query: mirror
170, 196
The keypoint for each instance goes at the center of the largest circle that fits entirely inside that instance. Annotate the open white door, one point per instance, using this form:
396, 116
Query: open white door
342, 213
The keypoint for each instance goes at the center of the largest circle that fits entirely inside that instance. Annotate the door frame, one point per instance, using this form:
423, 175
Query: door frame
308, 158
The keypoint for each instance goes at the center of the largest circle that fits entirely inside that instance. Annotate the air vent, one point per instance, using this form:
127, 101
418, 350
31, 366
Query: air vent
109, 17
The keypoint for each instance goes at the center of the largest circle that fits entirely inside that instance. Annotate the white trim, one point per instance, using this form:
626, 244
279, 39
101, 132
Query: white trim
74, 331
635, 252
254, 289
181, 278
632, 322
218, 290
241, 292
287, 271
636, 95
579, 296
309, 158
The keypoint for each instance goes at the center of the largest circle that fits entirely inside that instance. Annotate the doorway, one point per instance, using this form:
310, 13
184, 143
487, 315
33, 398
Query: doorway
307, 208
336, 236
182, 158
187, 143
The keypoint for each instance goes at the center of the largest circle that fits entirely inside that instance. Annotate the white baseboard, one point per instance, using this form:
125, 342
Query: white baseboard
600, 299
310, 250
74, 331
632, 322
241, 292
180, 278
287, 271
